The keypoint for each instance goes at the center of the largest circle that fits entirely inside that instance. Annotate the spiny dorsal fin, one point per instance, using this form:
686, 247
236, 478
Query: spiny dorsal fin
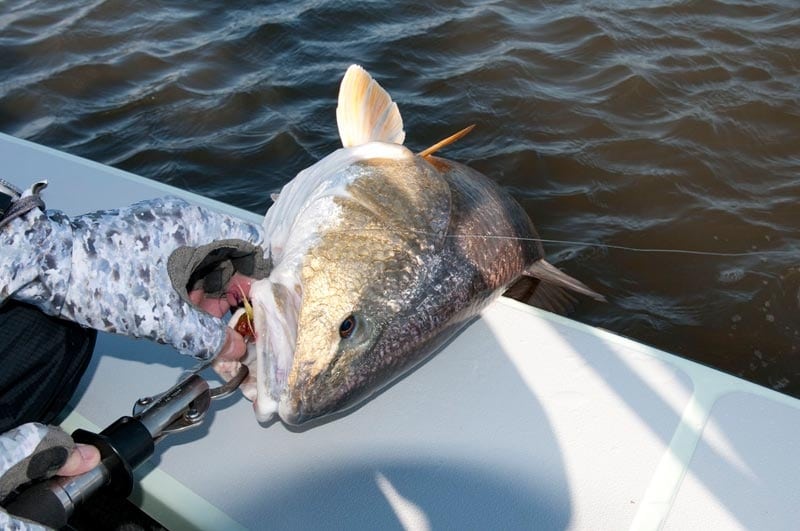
447, 141
366, 112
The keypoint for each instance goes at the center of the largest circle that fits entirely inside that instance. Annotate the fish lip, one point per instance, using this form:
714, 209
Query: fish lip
296, 406
276, 306
296, 411
292, 415
312, 398
292, 408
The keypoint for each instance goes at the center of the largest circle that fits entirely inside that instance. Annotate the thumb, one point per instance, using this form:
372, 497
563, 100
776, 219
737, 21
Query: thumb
83, 458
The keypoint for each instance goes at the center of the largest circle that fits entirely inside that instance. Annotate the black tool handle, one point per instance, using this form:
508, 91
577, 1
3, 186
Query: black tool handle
42, 504
123, 446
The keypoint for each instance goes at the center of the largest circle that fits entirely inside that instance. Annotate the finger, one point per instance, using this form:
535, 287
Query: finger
238, 289
240, 284
234, 347
197, 296
83, 458
214, 305
202, 335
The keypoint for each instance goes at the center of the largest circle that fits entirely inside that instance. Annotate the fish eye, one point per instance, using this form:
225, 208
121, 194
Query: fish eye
347, 327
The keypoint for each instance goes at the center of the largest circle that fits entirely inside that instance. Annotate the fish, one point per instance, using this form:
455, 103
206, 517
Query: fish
379, 256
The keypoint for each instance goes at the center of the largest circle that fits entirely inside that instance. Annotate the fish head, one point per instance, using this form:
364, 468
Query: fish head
340, 325
361, 281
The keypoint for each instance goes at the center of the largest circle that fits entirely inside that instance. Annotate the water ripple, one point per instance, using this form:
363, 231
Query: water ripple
669, 124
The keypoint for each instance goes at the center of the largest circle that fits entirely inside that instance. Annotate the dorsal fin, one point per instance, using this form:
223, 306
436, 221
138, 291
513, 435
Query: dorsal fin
366, 112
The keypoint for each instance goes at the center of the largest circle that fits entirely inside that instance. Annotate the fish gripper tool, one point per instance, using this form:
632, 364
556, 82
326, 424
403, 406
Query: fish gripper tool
124, 445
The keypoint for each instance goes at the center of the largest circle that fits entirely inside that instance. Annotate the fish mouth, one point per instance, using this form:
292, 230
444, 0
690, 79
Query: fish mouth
270, 355
276, 307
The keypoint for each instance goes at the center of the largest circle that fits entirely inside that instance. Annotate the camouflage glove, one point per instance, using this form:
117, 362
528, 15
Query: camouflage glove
27, 453
112, 271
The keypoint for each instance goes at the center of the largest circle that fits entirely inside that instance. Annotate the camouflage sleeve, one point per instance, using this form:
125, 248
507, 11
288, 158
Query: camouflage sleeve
108, 270
9, 523
35, 262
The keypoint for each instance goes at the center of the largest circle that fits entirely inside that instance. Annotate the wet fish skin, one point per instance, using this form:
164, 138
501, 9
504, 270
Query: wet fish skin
380, 256
416, 289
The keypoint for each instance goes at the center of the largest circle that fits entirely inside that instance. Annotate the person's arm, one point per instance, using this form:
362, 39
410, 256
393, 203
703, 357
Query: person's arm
130, 271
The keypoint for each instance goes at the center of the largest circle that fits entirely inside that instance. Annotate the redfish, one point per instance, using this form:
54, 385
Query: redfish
379, 256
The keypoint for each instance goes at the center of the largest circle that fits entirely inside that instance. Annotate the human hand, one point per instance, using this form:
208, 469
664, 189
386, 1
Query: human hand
130, 271
238, 288
34, 452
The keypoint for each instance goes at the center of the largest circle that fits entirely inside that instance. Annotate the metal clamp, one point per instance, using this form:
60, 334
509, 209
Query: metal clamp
183, 406
8, 194
12, 205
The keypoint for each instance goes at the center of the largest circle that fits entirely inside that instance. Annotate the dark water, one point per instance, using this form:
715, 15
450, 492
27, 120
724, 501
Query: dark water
675, 126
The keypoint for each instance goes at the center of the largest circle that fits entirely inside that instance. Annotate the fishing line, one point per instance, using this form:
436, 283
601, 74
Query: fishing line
637, 249
727, 254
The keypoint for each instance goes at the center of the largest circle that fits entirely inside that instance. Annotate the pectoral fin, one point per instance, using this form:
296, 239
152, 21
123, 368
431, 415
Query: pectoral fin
366, 112
543, 295
547, 272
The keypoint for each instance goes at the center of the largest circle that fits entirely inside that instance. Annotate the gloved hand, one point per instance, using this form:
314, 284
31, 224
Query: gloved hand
130, 271
33, 452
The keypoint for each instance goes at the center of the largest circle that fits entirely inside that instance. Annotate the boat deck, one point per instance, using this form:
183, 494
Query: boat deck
526, 420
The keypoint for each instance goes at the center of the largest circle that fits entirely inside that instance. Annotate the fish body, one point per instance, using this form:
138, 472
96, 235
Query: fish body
379, 256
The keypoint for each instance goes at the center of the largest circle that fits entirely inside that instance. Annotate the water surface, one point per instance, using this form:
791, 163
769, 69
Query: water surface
670, 126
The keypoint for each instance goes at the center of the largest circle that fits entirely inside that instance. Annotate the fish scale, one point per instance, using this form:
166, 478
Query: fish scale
377, 263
